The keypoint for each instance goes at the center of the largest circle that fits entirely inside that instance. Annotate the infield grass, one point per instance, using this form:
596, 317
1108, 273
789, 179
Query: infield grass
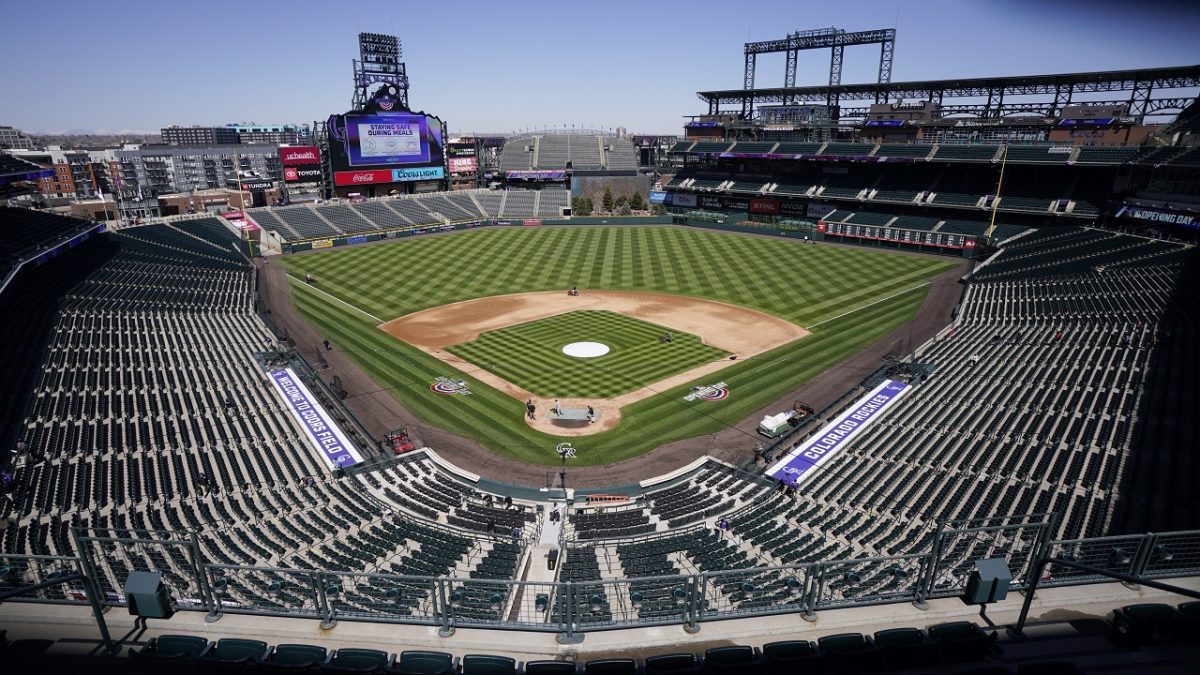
846, 297
530, 354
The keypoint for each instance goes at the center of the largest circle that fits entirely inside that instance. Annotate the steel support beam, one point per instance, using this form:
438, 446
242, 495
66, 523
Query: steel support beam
1139, 98
789, 74
887, 48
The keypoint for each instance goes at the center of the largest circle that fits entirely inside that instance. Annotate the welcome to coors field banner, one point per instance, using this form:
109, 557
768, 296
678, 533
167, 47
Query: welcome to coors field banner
335, 448
836, 435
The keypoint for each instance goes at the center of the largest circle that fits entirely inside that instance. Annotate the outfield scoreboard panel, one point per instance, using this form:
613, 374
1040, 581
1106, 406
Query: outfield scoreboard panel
386, 147
899, 235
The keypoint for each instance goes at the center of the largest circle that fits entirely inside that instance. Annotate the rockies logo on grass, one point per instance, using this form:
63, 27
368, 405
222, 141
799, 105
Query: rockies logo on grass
565, 450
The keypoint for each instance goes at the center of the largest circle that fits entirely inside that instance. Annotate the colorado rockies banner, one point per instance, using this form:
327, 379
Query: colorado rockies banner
817, 450
335, 448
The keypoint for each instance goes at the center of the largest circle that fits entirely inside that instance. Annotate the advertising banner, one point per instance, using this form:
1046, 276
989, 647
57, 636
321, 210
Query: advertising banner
763, 205
302, 174
387, 176
710, 202
1157, 215
429, 173
678, 199
463, 164
793, 209
298, 155
322, 243
326, 437
658, 197
836, 435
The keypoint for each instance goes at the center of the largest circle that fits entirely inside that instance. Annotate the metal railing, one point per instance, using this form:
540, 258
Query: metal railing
573, 607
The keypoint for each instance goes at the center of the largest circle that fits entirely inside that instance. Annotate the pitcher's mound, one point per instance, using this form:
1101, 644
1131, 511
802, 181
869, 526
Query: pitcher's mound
585, 350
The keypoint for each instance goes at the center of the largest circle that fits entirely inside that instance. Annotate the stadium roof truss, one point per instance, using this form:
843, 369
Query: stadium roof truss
1147, 91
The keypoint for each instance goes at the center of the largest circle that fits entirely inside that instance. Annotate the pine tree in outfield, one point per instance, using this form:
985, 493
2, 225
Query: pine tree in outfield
581, 206
608, 200
621, 203
635, 201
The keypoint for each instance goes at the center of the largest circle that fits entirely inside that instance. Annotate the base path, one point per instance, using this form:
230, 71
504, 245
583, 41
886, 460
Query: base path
742, 332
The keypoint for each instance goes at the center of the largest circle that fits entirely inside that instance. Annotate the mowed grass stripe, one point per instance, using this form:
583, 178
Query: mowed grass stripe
494, 418
530, 354
801, 283
785, 278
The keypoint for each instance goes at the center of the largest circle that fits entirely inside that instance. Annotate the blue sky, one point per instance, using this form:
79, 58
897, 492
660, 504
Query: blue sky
501, 66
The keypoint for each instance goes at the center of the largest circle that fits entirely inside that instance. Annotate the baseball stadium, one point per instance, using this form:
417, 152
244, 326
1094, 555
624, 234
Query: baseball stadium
830, 383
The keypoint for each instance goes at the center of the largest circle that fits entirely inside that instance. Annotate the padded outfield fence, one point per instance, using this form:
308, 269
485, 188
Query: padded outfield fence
572, 607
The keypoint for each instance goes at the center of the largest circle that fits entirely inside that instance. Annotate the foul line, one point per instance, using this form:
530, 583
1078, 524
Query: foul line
336, 299
893, 295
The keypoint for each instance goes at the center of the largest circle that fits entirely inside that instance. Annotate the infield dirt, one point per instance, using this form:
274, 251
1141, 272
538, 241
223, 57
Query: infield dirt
738, 330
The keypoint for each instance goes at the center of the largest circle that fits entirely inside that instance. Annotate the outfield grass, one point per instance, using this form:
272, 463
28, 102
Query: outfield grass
833, 291
530, 354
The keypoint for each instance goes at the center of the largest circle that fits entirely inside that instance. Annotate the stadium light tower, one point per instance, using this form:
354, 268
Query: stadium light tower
379, 63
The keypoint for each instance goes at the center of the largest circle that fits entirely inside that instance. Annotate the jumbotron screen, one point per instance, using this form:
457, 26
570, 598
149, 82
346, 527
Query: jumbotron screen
392, 138
383, 147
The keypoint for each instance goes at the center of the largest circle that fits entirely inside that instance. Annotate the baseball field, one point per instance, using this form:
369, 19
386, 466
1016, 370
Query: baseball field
835, 300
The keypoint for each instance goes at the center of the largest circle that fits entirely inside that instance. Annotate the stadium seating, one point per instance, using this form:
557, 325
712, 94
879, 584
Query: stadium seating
552, 202
305, 222
24, 232
1039, 153
711, 146
1099, 154
519, 204
848, 149
754, 146
967, 153
1031, 314
798, 148
916, 151
298, 223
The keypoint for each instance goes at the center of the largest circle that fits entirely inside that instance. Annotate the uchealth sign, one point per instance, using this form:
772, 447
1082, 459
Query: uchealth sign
300, 154
296, 174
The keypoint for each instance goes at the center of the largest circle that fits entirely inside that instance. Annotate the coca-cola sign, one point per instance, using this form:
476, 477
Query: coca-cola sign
361, 177
300, 154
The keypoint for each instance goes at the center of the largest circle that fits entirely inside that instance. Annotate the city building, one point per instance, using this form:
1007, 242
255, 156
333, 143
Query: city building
14, 139
233, 134
282, 134
160, 169
78, 174
198, 135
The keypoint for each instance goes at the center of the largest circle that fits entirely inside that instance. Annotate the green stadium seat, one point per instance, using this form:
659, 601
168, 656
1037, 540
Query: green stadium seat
351, 660
1142, 624
418, 662
672, 664
550, 668
849, 653
733, 659
905, 647
790, 656
960, 641
486, 664
176, 646
290, 658
1187, 627
611, 667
